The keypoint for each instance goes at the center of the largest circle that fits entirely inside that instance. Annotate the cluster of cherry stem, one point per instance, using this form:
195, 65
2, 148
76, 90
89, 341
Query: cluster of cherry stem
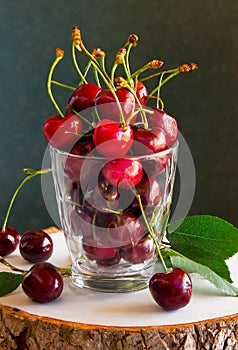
97, 63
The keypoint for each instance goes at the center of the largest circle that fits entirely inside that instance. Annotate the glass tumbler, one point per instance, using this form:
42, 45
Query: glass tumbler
110, 231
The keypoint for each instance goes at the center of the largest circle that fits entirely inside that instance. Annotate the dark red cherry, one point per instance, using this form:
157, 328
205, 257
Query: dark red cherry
108, 108
171, 290
104, 256
56, 131
140, 252
43, 283
142, 93
123, 172
112, 139
82, 168
82, 98
107, 190
147, 142
125, 229
9, 240
95, 202
160, 119
149, 190
36, 246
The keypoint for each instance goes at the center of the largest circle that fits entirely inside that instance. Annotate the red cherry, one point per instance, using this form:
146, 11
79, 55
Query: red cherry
140, 252
142, 93
147, 142
123, 172
149, 190
171, 290
104, 256
43, 283
9, 240
92, 225
112, 139
36, 246
73, 164
125, 229
155, 165
108, 107
160, 119
82, 98
56, 128
107, 190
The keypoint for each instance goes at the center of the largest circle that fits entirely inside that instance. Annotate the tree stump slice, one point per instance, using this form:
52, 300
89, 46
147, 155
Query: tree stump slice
131, 321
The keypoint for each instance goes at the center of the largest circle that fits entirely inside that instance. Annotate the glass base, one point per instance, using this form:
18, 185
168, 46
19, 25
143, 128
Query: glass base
123, 281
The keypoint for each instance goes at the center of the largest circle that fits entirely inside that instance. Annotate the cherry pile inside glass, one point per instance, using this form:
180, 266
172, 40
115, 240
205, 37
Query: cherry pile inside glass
113, 187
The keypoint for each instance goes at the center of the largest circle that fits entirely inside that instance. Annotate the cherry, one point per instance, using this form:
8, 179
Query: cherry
156, 164
108, 107
147, 142
102, 255
93, 226
112, 139
43, 282
9, 240
123, 172
107, 190
171, 290
125, 229
95, 202
73, 165
36, 246
56, 131
142, 93
149, 191
140, 252
82, 98
160, 119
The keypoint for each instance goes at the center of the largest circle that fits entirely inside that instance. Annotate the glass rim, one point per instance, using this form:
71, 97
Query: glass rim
134, 157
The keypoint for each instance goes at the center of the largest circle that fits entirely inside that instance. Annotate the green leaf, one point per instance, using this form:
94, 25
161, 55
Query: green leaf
9, 281
193, 267
208, 240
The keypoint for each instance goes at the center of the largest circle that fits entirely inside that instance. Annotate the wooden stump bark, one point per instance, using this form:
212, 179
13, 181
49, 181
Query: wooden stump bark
20, 330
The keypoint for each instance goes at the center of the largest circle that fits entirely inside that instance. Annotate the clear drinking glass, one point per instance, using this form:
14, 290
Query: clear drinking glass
108, 229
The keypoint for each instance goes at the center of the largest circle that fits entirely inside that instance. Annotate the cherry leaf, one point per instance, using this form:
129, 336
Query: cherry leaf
9, 281
208, 240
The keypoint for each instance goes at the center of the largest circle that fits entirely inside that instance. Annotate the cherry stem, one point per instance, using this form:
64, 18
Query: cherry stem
80, 116
31, 173
128, 63
49, 83
174, 252
104, 76
101, 61
62, 85
143, 115
65, 272
109, 210
169, 71
86, 69
158, 91
114, 67
140, 70
12, 267
152, 234
95, 72
163, 82
76, 65
93, 224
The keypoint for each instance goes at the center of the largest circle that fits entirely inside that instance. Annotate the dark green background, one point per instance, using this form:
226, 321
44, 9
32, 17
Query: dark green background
204, 102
